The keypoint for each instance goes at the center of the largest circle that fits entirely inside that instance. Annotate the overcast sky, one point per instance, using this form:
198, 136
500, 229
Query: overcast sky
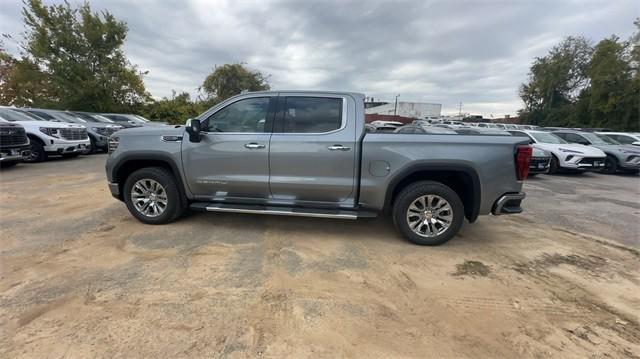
476, 52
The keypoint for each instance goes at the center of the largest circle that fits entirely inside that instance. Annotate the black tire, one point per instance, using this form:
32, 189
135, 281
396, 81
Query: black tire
37, 153
70, 155
416, 190
553, 165
176, 202
8, 164
610, 165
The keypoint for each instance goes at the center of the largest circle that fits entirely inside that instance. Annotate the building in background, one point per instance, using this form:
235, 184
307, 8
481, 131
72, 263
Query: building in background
421, 110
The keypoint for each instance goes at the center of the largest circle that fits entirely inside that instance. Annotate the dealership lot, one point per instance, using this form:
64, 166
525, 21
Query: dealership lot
80, 277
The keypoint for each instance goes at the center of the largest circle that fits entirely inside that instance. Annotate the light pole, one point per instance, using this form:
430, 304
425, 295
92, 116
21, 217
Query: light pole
395, 107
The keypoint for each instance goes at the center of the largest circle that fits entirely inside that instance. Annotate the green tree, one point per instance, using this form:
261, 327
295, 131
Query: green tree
79, 54
613, 97
174, 110
231, 79
556, 80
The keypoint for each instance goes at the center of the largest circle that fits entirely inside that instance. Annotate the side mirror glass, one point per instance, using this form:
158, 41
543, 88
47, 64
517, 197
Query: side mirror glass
193, 129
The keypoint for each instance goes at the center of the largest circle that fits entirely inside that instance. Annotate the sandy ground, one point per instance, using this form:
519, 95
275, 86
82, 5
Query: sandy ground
80, 278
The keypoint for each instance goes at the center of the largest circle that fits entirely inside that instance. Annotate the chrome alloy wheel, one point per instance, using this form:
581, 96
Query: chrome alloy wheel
429, 216
149, 197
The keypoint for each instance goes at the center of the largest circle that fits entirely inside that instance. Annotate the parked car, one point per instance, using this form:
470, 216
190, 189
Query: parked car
540, 162
48, 137
14, 144
619, 157
131, 120
98, 131
625, 138
564, 155
314, 159
424, 130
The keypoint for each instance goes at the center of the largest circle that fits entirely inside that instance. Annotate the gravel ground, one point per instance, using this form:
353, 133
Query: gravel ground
80, 278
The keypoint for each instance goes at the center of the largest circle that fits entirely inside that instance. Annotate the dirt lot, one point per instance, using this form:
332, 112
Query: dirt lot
80, 278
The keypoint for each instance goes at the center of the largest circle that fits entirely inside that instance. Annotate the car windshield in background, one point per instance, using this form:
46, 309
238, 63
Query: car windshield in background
70, 118
12, 115
140, 118
597, 140
93, 118
608, 139
545, 137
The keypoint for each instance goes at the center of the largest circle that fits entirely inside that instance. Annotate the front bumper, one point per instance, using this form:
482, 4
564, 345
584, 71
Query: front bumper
13, 154
631, 163
57, 146
539, 165
115, 190
583, 163
508, 203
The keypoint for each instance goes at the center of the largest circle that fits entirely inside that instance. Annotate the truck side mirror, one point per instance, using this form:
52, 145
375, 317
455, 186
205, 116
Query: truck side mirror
193, 129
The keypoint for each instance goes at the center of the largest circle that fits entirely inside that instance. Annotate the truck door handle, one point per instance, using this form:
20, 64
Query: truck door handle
253, 146
338, 148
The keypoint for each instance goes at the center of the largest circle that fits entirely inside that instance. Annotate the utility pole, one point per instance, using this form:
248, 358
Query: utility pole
460, 110
395, 108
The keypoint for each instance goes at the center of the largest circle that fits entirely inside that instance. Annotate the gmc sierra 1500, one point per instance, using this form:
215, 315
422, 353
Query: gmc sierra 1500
306, 154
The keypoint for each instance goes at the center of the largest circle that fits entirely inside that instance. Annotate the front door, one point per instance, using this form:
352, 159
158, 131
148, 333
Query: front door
313, 148
232, 159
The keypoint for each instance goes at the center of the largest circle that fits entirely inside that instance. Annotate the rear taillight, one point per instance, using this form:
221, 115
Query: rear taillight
523, 159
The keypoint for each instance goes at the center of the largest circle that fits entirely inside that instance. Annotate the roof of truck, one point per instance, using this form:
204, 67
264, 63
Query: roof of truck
356, 94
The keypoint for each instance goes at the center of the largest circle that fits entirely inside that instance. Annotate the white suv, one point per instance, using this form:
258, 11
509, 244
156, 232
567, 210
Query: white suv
47, 137
565, 155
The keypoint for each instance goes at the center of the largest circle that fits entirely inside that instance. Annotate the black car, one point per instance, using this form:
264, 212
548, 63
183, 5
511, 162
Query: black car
14, 144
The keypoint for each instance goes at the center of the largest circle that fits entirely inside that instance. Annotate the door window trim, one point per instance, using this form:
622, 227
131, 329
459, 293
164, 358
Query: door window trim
278, 121
269, 120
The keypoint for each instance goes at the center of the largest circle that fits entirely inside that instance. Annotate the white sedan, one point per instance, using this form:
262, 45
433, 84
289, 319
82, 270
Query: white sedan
565, 155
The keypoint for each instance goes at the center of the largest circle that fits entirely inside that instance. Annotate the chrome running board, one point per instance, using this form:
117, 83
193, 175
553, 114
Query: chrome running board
281, 211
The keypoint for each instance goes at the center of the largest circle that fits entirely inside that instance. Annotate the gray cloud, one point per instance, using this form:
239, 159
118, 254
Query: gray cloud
477, 52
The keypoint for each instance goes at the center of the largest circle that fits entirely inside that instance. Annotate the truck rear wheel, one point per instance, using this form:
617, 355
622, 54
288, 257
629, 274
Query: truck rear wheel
428, 213
152, 196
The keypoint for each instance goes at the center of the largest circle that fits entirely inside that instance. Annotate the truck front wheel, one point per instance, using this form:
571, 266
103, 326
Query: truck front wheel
428, 213
152, 196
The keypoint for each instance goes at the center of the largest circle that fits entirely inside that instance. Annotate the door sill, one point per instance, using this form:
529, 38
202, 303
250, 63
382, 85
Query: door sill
282, 211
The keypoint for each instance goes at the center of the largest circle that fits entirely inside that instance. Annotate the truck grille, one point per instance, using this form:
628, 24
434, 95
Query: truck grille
13, 136
74, 134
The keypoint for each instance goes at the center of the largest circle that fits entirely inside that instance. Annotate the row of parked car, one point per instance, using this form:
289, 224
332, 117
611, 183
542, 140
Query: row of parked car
554, 149
33, 134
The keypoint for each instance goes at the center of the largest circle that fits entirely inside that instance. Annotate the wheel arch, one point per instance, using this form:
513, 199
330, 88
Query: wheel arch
462, 179
126, 166
35, 138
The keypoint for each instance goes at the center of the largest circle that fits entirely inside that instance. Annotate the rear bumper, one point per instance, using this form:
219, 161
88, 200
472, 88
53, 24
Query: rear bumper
508, 203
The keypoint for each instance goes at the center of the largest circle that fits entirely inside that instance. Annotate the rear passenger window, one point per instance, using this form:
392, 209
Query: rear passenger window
312, 115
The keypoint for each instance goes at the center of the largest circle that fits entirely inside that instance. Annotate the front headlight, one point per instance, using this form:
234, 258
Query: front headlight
114, 141
50, 131
569, 151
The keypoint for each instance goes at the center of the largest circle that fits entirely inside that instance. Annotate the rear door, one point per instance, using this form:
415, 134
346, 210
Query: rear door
313, 148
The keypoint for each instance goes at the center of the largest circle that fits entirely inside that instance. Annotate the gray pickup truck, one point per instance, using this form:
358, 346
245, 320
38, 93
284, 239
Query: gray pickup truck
302, 153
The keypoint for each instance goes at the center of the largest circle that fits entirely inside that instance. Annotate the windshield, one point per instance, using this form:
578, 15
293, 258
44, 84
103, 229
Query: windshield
597, 140
140, 118
544, 137
92, 118
69, 118
608, 139
12, 115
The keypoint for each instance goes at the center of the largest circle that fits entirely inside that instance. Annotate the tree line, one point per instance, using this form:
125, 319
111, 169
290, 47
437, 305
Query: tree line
581, 85
72, 58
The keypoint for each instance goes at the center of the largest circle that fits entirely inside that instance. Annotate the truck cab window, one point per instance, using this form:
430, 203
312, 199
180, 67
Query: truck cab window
248, 116
312, 115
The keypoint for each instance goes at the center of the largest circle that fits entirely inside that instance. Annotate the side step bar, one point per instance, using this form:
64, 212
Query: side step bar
281, 211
